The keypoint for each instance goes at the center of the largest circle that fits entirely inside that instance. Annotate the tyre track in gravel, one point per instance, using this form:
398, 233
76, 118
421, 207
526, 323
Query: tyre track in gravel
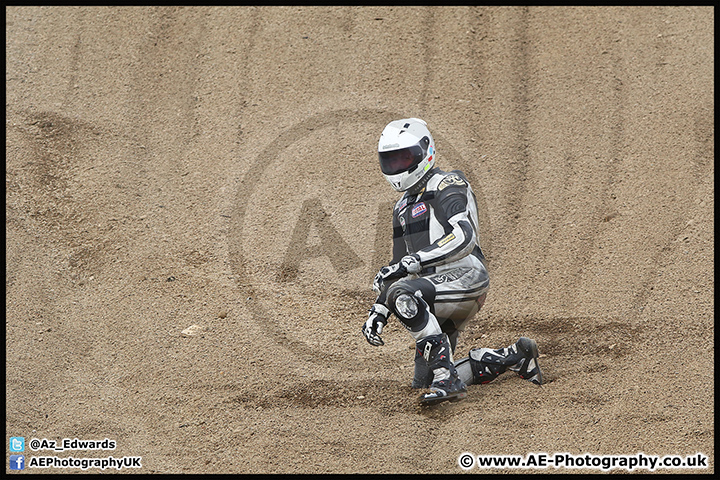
523, 180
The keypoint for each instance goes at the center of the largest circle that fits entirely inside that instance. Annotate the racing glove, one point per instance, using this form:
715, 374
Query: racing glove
407, 264
374, 324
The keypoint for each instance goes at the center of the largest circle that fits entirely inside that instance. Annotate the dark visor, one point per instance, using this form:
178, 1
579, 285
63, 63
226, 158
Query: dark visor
397, 161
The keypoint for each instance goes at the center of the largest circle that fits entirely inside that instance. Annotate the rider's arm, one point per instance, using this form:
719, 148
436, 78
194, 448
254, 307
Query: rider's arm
459, 238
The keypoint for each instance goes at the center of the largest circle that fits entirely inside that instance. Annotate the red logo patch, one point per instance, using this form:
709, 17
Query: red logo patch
419, 209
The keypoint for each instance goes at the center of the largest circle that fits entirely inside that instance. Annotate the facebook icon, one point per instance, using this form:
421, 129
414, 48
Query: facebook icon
17, 462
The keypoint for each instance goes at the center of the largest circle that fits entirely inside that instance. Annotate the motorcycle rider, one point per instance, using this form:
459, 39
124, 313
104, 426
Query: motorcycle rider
437, 279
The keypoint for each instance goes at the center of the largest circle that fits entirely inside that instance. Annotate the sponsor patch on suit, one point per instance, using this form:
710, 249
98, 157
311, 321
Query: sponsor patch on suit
419, 209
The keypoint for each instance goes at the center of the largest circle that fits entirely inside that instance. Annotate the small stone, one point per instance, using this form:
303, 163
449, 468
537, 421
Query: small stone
193, 330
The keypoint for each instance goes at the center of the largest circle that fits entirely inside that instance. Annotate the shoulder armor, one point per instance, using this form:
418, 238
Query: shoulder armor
452, 179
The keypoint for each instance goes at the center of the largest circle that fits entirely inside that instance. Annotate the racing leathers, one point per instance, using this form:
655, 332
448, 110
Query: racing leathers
437, 280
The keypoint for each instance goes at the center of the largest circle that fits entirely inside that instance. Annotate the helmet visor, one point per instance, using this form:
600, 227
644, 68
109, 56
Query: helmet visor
397, 161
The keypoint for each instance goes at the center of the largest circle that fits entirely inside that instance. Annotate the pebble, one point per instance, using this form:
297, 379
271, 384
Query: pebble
193, 330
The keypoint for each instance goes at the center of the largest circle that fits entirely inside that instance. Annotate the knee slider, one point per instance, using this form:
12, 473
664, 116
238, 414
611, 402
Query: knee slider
405, 303
406, 306
412, 311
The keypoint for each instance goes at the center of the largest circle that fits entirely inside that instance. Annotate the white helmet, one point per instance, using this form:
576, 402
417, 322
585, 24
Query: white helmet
407, 152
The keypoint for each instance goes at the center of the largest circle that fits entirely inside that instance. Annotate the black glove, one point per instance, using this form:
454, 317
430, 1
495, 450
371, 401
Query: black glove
374, 324
407, 264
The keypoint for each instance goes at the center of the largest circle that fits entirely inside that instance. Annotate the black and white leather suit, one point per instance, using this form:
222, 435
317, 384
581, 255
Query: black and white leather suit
437, 224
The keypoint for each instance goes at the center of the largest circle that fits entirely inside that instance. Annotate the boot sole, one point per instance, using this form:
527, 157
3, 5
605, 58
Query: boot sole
529, 345
456, 397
